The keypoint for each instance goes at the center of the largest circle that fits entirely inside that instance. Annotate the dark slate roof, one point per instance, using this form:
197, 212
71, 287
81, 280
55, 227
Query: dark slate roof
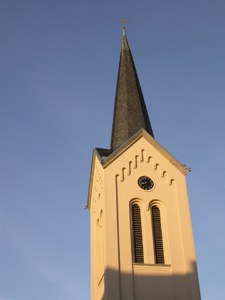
130, 113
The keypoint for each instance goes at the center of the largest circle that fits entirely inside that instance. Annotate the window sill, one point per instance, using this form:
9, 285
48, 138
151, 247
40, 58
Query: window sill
152, 268
151, 265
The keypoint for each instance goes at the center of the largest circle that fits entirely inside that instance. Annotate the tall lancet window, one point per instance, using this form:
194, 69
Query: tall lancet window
137, 234
157, 235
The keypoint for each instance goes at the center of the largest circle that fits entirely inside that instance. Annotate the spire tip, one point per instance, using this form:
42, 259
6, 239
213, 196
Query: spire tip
123, 21
124, 30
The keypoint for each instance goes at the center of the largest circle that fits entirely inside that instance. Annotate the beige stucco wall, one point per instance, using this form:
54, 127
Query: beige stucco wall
97, 208
112, 190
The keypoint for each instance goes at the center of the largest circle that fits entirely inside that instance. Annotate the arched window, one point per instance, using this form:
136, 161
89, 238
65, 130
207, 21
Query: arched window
157, 235
137, 234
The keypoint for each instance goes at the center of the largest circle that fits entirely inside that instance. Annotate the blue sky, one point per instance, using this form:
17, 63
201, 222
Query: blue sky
59, 62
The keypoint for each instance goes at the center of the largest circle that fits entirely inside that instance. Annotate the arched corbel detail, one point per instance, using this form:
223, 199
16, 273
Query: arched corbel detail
123, 174
156, 167
165, 176
142, 155
171, 181
129, 168
136, 161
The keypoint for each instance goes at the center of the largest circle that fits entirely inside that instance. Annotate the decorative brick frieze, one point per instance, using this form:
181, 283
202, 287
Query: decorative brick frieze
140, 158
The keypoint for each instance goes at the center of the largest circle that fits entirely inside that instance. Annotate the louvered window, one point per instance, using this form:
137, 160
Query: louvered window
137, 234
157, 234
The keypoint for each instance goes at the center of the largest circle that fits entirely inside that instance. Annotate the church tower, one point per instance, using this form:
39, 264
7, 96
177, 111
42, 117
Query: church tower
141, 235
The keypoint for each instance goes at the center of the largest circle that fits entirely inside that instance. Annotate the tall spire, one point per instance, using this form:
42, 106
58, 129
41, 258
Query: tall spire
130, 113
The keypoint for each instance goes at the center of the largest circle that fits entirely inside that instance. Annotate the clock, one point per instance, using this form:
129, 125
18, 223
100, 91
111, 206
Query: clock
145, 183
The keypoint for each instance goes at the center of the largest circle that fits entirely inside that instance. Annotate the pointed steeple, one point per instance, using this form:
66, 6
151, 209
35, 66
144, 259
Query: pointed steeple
130, 113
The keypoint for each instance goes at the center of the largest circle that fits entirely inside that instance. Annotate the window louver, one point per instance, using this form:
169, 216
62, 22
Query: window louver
137, 234
157, 233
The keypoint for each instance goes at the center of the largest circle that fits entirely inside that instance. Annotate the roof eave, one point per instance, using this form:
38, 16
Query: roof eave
95, 154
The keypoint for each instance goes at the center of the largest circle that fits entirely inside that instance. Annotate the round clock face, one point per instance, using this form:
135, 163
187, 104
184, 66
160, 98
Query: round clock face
145, 183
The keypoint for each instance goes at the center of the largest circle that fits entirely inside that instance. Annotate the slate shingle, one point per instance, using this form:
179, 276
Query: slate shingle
130, 113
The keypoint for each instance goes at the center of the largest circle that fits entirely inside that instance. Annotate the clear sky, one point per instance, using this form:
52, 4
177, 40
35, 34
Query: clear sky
59, 62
